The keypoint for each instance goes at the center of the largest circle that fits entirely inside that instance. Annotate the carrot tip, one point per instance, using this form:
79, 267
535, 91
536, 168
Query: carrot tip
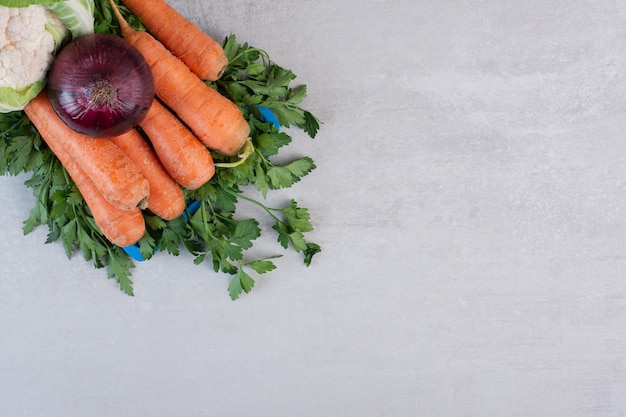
221, 72
143, 204
124, 26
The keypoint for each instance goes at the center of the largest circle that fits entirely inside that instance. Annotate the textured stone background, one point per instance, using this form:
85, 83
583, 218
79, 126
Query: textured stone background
470, 200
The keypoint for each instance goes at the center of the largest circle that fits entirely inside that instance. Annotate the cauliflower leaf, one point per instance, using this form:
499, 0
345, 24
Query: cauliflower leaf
15, 100
25, 3
77, 15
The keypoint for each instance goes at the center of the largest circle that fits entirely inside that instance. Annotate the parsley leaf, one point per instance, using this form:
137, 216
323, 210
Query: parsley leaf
261, 266
241, 282
119, 267
298, 218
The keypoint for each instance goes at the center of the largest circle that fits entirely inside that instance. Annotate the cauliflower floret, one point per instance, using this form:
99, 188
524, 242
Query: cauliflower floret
29, 37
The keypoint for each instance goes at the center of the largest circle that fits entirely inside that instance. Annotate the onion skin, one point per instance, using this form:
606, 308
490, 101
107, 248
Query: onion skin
100, 85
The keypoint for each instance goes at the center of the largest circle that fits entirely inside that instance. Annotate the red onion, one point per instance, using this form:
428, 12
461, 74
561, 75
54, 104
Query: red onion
100, 85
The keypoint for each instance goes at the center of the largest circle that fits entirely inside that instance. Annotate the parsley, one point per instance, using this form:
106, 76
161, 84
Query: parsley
214, 234
253, 79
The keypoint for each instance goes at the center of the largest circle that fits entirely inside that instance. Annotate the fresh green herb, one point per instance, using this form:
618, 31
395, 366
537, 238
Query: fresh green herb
214, 233
105, 21
253, 79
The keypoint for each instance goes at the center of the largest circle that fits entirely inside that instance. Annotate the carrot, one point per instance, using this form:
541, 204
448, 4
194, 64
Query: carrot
213, 118
113, 173
120, 227
184, 157
166, 198
199, 51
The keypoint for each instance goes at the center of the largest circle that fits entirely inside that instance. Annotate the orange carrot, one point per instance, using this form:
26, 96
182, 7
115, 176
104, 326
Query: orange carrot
199, 51
214, 119
184, 157
120, 227
166, 198
113, 173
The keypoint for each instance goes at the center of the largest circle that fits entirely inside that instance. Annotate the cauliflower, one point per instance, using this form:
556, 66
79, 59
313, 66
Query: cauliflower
30, 37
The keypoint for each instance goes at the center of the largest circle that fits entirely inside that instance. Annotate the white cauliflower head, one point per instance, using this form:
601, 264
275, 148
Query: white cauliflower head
29, 37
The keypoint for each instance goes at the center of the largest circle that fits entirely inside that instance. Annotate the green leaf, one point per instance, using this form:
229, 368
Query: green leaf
280, 177
286, 114
301, 167
87, 244
76, 15
283, 233
230, 46
15, 100
119, 267
311, 250
297, 95
235, 287
297, 218
74, 198
154, 222
241, 282
59, 208
194, 247
287, 175
298, 241
226, 267
261, 184
170, 241
36, 217
229, 251
245, 232
262, 266
246, 281
21, 153
69, 236
255, 68
311, 124
197, 224
147, 246
269, 143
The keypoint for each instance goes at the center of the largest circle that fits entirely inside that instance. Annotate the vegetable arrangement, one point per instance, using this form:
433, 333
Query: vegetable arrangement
173, 174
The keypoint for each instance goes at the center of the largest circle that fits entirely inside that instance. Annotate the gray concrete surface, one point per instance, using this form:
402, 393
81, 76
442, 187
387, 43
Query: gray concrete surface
470, 199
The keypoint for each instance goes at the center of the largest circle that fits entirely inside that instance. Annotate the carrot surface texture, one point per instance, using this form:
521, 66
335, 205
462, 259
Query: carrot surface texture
213, 118
166, 198
184, 157
120, 227
200, 52
113, 173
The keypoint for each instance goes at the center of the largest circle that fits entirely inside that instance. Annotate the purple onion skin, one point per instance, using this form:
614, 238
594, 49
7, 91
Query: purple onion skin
100, 85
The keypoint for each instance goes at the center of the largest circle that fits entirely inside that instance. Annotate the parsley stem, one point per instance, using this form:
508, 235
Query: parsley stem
46, 184
264, 55
205, 221
268, 210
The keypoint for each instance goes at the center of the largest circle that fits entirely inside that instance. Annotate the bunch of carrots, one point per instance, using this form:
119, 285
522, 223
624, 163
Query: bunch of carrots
121, 176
